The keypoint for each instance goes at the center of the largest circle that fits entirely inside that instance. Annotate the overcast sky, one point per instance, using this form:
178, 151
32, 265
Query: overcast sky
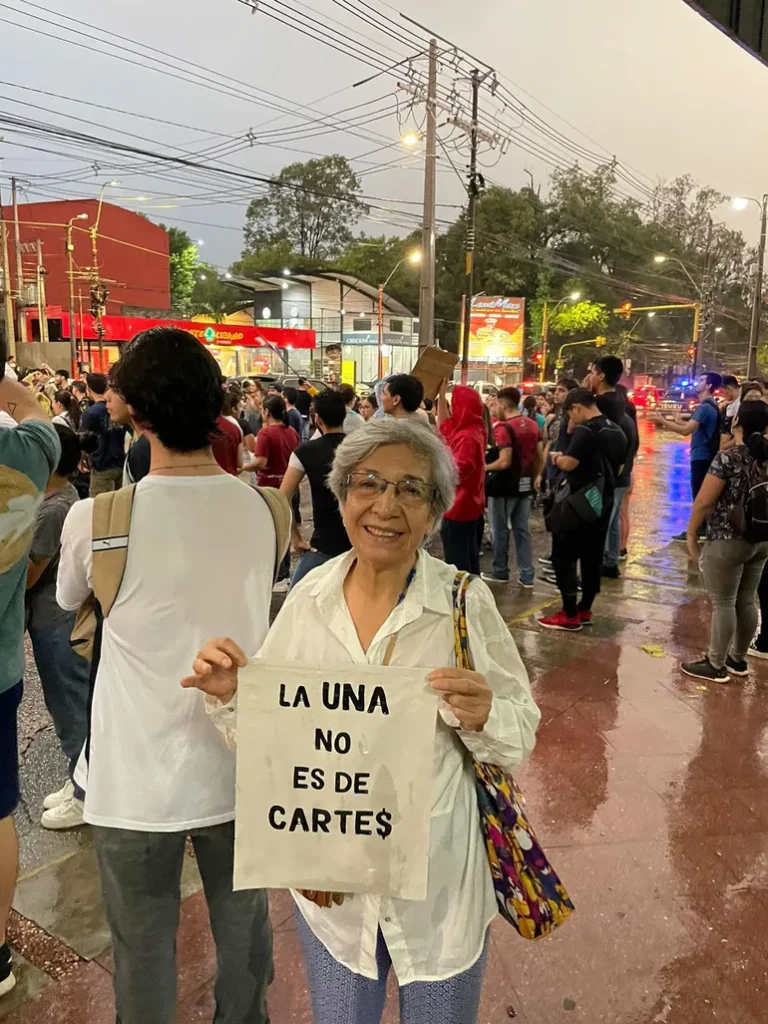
652, 83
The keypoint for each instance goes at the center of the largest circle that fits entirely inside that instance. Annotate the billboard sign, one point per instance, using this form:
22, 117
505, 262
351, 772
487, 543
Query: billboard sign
496, 329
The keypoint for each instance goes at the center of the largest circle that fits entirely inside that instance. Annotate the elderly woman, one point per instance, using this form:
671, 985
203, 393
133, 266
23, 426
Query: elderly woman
394, 480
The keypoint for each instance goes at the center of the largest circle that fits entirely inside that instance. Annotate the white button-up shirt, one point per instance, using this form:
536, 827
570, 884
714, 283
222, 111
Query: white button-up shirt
443, 935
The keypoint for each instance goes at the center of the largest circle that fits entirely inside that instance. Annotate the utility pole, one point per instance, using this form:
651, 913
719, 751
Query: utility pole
704, 319
41, 303
427, 292
19, 267
544, 341
757, 297
473, 190
10, 328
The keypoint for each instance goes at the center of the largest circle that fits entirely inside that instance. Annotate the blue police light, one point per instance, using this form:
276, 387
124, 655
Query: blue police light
685, 382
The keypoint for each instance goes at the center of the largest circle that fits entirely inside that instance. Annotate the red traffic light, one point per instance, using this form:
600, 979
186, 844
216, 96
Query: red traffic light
626, 309
537, 357
691, 353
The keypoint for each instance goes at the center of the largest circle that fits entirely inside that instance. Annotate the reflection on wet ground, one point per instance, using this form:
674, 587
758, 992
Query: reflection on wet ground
649, 791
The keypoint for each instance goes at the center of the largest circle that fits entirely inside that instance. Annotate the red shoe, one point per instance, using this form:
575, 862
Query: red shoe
561, 621
585, 618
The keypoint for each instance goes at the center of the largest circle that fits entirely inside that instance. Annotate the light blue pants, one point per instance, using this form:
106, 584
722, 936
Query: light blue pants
503, 512
613, 538
339, 996
309, 560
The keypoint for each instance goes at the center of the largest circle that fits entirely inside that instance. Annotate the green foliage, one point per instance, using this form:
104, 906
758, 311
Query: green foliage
183, 262
373, 260
215, 297
580, 318
313, 207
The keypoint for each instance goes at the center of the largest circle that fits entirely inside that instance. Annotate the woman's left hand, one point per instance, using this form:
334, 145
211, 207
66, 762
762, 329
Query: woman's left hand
466, 693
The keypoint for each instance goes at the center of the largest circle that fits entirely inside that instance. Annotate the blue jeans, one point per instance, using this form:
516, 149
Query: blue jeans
309, 560
339, 996
613, 539
515, 511
64, 676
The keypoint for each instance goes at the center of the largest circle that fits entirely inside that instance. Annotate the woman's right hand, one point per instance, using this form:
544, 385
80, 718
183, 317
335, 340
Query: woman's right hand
214, 670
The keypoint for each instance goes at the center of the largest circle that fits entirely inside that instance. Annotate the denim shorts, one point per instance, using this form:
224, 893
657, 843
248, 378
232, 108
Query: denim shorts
9, 750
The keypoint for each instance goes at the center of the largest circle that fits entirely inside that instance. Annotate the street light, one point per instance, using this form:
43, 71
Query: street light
70, 248
660, 258
410, 139
413, 258
573, 297
741, 203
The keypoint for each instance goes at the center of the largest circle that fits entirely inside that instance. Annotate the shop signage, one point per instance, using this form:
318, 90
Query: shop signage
496, 329
123, 328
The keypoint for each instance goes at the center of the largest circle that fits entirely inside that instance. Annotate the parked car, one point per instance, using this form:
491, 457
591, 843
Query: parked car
678, 400
647, 397
285, 380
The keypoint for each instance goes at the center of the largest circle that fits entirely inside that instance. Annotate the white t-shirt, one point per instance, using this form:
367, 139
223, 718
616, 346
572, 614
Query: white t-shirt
201, 558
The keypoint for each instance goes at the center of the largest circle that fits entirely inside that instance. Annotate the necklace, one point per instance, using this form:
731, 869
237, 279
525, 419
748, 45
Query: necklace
190, 465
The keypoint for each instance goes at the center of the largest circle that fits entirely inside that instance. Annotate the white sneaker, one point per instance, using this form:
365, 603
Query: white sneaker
7, 984
68, 814
281, 587
54, 799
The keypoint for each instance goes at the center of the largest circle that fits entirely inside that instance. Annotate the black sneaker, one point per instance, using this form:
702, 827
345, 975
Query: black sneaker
490, 578
758, 650
611, 572
7, 979
704, 669
681, 536
735, 667
623, 555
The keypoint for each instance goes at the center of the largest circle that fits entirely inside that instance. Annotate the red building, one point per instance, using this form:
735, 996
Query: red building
132, 253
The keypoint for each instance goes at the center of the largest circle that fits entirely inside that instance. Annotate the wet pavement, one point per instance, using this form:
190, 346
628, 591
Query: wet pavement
649, 791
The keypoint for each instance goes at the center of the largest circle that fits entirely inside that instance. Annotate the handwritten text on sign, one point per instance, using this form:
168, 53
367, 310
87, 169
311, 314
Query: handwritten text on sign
334, 778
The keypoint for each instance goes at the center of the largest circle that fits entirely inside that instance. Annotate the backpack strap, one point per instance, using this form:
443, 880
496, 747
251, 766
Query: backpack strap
111, 528
280, 510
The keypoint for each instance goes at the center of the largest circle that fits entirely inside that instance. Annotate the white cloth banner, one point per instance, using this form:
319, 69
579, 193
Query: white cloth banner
334, 778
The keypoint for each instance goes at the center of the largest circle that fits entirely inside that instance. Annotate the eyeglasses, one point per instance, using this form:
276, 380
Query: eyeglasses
410, 491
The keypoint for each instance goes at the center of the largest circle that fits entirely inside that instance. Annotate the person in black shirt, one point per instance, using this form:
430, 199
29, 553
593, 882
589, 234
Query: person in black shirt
604, 380
596, 453
103, 440
314, 460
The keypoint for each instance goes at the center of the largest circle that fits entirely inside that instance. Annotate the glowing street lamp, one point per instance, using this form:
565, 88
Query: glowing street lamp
413, 258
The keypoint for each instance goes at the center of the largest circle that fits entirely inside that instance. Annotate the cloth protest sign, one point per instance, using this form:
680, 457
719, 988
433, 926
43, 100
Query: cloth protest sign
334, 778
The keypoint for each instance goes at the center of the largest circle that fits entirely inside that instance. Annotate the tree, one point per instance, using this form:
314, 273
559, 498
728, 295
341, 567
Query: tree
312, 206
215, 297
183, 262
373, 260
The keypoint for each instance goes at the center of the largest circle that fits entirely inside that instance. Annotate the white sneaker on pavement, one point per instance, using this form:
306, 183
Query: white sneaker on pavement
281, 587
54, 799
68, 814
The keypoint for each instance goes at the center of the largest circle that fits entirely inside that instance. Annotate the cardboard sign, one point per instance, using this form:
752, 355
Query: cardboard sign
334, 778
433, 367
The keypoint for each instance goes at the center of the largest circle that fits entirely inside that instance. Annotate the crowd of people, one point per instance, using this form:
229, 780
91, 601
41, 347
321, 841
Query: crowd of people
180, 461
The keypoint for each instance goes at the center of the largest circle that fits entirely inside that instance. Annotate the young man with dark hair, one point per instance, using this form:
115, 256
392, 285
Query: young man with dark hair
510, 484
353, 420
290, 397
731, 401
156, 771
604, 379
29, 453
703, 428
314, 459
596, 452
61, 380
108, 458
402, 396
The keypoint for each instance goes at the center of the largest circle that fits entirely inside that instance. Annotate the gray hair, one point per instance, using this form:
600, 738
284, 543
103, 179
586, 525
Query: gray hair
356, 447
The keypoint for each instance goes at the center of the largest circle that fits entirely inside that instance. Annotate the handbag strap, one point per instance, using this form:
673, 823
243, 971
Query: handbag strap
460, 634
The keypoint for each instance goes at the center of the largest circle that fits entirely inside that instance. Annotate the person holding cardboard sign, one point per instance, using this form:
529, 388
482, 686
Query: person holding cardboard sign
387, 602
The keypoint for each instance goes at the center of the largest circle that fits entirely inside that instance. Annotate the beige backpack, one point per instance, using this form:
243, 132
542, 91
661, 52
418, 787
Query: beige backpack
111, 529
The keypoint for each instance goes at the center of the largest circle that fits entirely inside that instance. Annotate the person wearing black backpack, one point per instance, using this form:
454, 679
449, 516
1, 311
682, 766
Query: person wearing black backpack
580, 509
733, 500
703, 428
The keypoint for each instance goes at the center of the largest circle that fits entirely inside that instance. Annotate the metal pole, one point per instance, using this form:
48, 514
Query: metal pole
427, 292
42, 305
380, 330
696, 333
10, 328
757, 298
71, 283
19, 267
544, 340
471, 217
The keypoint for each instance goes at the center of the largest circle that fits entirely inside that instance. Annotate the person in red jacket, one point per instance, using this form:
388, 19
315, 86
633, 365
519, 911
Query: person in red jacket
463, 428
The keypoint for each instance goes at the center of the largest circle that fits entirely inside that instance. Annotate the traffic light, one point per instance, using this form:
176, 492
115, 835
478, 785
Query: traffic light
537, 357
691, 353
600, 341
626, 310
